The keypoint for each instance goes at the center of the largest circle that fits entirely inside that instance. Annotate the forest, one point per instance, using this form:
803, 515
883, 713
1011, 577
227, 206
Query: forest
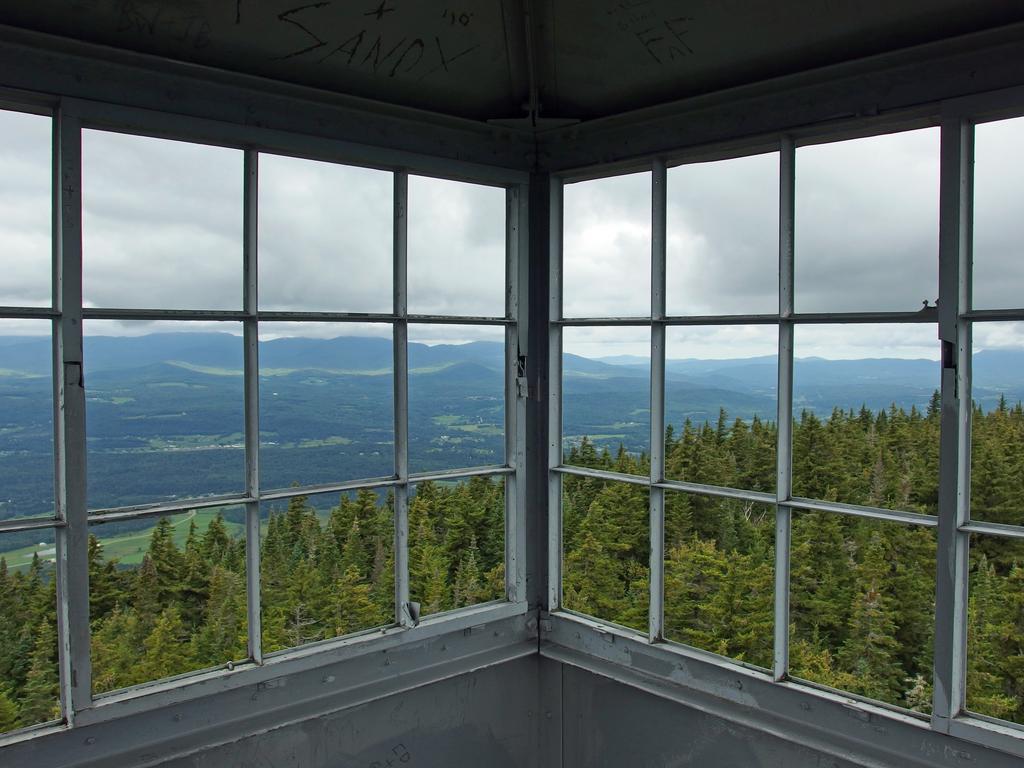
862, 591
183, 608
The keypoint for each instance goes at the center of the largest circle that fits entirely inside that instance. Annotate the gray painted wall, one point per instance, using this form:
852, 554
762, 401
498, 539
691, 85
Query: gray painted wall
486, 718
610, 724
531, 712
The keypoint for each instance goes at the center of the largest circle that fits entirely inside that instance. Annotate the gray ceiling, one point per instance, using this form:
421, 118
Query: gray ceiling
474, 58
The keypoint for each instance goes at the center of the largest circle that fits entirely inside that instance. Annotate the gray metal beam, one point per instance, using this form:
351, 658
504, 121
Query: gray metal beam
516, 359
554, 392
784, 449
656, 580
404, 616
251, 379
954, 446
870, 89
538, 383
73, 538
387, 134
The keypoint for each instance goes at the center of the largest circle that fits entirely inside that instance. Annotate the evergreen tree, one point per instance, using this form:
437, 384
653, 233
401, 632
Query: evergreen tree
166, 651
869, 652
39, 698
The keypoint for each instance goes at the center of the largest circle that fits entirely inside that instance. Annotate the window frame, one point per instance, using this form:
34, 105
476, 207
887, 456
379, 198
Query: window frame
953, 317
72, 517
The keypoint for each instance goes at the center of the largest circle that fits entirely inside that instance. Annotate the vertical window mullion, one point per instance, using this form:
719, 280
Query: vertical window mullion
554, 598
955, 195
250, 330
72, 540
659, 202
404, 616
784, 467
517, 199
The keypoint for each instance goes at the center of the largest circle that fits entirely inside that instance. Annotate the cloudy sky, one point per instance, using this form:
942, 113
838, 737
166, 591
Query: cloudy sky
163, 229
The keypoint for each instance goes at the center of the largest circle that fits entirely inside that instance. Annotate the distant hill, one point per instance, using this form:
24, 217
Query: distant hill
165, 419
222, 352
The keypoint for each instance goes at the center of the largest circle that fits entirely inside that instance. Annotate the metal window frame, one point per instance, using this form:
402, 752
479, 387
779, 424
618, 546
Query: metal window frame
954, 319
72, 517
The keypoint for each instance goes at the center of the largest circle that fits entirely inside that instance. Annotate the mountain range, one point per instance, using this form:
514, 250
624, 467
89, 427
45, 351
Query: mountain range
165, 418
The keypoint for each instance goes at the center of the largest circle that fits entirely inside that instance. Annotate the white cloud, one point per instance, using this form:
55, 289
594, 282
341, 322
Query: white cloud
607, 247
867, 226
456, 254
163, 229
325, 239
25, 198
722, 237
161, 223
998, 220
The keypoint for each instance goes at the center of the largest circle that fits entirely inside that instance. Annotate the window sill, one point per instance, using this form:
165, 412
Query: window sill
301, 682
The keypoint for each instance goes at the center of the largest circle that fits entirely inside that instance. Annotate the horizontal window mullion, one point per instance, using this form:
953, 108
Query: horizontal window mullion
459, 320
718, 491
602, 474
178, 506
993, 314
30, 524
929, 315
276, 494
28, 313
299, 316
93, 313
993, 529
584, 321
455, 474
721, 320
856, 510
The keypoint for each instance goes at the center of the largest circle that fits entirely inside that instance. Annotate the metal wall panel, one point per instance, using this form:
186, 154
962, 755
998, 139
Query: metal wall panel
486, 718
611, 724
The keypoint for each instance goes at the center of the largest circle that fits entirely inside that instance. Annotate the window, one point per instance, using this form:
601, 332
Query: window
770, 414
291, 391
29, 667
992, 344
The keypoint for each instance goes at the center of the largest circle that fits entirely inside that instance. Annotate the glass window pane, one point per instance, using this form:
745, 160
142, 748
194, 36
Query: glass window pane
723, 237
456, 258
720, 405
997, 424
606, 247
25, 205
326, 403
606, 550
325, 241
606, 397
327, 566
866, 415
167, 596
26, 419
29, 677
164, 411
998, 226
161, 223
863, 607
720, 576
867, 223
456, 396
995, 628
456, 543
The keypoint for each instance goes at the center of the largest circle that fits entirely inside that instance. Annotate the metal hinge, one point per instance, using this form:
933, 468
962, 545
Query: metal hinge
522, 388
